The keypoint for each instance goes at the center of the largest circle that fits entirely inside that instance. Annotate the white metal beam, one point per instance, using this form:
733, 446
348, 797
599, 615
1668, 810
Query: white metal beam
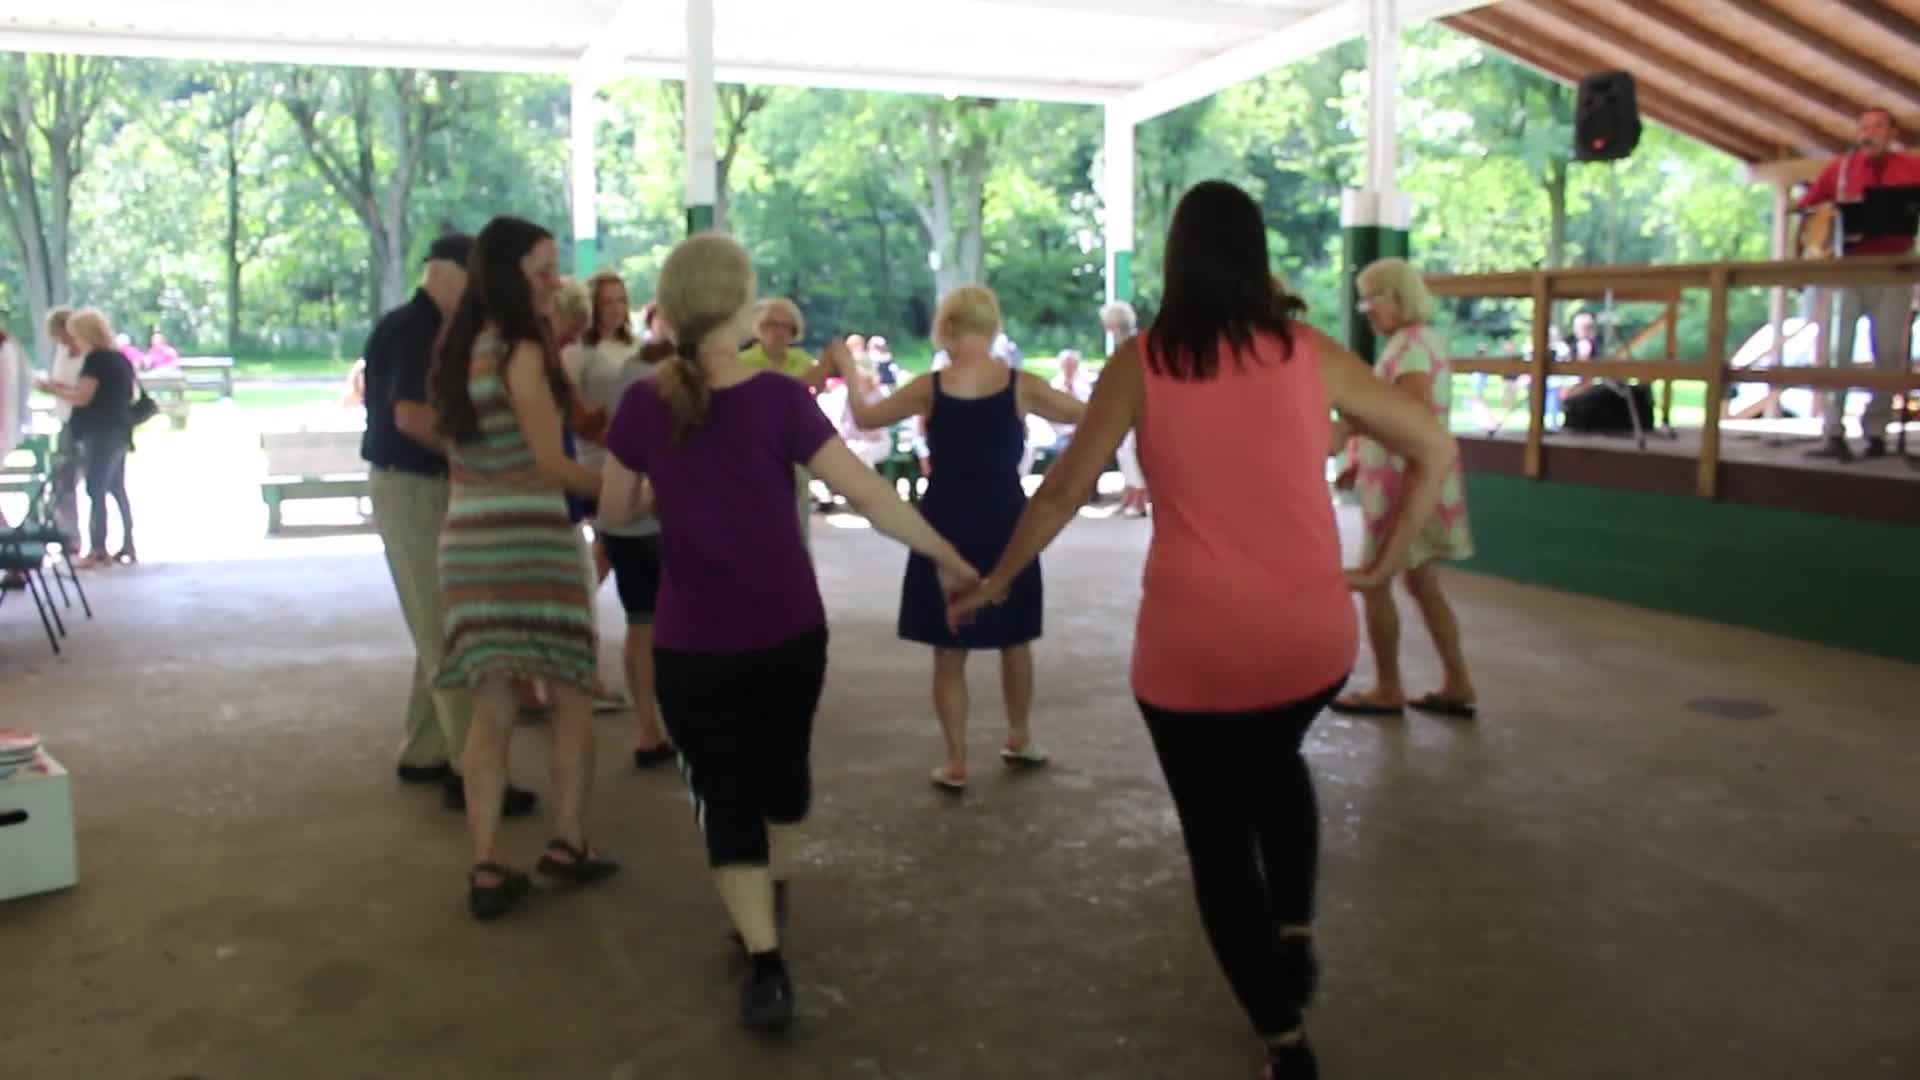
1210, 12
1316, 33
902, 82
250, 50
602, 59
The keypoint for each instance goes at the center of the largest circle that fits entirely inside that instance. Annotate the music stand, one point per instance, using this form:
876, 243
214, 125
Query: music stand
1887, 211
1883, 211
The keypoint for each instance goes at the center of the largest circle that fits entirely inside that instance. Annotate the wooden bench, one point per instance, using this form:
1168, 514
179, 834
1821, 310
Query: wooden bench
168, 389
209, 373
311, 465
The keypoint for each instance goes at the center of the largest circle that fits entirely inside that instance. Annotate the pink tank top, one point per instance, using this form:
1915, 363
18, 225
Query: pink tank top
1244, 605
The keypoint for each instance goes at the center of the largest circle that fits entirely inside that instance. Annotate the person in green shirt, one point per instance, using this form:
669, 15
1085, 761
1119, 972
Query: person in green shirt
777, 325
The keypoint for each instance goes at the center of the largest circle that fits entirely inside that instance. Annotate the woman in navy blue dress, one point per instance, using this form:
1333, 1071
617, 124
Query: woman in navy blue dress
975, 411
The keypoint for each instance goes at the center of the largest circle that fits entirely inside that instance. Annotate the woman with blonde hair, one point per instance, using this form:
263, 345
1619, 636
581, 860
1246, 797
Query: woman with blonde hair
1397, 303
740, 634
975, 411
102, 423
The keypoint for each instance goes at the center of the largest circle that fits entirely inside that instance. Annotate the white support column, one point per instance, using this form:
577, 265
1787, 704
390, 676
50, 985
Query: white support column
583, 122
1375, 217
1383, 93
1118, 197
703, 167
1777, 297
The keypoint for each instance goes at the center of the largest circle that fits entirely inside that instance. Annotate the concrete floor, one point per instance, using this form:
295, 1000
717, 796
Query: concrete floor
1595, 881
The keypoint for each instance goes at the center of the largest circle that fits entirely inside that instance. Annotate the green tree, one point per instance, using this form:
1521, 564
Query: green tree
49, 102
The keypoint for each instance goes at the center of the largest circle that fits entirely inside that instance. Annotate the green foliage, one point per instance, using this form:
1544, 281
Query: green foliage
833, 192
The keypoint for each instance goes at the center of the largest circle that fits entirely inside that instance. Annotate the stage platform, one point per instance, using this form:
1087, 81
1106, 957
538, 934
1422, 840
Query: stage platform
1815, 550
1763, 463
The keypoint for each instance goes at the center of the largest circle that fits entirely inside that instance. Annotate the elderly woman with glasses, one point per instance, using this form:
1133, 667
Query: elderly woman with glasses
1397, 304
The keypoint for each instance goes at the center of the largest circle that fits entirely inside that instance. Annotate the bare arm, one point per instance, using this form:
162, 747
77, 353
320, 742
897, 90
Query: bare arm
1406, 426
1118, 401
417, 421
80, 392
913, 399
1047, 403
878, 502
539, 418
625, 496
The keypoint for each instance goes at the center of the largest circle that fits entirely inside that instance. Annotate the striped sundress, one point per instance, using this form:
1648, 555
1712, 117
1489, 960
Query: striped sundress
514, 599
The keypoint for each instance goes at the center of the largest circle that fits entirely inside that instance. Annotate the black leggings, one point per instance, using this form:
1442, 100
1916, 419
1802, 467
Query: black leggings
1245, 800
743, 723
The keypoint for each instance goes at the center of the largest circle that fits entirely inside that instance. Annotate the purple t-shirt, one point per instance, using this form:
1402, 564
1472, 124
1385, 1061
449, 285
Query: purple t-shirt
734, 571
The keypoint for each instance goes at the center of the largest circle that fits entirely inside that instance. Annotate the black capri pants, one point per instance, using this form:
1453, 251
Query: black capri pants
743, 723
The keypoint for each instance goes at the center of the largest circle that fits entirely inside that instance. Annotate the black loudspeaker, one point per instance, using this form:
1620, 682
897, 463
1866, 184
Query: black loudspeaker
1606, 119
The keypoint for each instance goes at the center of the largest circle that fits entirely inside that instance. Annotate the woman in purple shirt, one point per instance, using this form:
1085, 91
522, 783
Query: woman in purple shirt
740, 634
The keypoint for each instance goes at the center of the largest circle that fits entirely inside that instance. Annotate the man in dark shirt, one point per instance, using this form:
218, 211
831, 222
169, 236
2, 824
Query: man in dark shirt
408, 484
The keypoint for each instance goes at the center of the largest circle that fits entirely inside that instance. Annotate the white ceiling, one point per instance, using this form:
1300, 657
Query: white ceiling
1146, 55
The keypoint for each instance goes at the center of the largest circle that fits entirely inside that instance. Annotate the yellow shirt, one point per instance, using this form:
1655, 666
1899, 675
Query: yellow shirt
796, 363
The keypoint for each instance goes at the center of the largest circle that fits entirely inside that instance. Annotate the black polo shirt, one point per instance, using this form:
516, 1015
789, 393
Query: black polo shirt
399, 353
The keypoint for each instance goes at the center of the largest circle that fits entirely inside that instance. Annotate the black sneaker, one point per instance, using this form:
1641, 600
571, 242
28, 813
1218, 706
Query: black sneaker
1294, 1061
1835, 448
423, 774
1876, 448
654, 756
517, 802
768, 1005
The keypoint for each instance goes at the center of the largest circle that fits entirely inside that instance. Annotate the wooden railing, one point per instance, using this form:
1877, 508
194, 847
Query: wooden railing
1666, 284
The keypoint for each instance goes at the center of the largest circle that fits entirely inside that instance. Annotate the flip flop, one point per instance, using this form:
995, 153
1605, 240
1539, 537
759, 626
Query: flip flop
1355, 707
1029, 756
947, 781
1444, 706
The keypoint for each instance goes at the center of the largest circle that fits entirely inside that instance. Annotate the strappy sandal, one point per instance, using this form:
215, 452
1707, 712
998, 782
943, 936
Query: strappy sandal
488, 902
580, 867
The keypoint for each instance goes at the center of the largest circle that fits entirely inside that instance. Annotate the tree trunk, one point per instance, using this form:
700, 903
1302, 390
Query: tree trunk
233, 241
39, 209
1556, 185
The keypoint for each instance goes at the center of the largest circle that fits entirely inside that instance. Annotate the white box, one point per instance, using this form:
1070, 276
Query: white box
36, 829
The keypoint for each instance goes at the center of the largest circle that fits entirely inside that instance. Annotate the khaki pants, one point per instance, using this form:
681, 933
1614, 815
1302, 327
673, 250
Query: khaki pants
409, 510
1888, 312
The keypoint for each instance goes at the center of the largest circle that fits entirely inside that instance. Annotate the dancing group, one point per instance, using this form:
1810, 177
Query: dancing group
1246, 628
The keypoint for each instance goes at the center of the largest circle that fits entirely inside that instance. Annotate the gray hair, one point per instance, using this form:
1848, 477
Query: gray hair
1397, 278
1119, 309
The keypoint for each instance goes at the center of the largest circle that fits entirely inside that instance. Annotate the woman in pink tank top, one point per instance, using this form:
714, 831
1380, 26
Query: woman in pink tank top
1246, 627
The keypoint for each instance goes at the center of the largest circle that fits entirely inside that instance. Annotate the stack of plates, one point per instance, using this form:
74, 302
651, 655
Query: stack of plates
18, 747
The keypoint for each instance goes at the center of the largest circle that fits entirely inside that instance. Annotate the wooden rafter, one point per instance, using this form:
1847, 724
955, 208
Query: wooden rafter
1767, 18
1607, 45
1681, 17
1497, 30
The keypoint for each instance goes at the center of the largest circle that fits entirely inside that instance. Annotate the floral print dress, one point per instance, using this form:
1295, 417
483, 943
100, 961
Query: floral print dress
1380, 474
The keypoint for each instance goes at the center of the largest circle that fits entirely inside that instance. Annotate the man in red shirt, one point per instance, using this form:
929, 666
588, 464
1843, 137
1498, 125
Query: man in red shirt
1872, 163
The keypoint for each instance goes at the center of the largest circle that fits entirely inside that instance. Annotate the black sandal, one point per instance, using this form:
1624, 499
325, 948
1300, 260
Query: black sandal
581, 867
654, 756
488, 902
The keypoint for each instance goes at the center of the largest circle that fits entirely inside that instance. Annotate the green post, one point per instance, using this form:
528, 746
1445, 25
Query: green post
586, 256
1366, 239
699, 219
1123, 276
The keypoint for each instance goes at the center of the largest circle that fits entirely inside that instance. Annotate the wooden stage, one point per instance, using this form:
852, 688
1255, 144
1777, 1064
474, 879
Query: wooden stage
1763, 463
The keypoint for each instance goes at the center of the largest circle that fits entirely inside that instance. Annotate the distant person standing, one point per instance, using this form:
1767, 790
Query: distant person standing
64, 370
1120, 323
101, 397
407, 482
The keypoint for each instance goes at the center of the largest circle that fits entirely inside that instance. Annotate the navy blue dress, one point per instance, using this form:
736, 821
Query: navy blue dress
974, 499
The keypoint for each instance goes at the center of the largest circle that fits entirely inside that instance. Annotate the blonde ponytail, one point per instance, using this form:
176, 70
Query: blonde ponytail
685, 387
706, 286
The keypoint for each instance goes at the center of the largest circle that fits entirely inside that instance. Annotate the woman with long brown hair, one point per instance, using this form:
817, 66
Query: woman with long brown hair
514, 597
1246, 628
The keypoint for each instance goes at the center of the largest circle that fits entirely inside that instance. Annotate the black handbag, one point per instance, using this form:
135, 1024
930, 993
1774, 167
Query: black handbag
144, 407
